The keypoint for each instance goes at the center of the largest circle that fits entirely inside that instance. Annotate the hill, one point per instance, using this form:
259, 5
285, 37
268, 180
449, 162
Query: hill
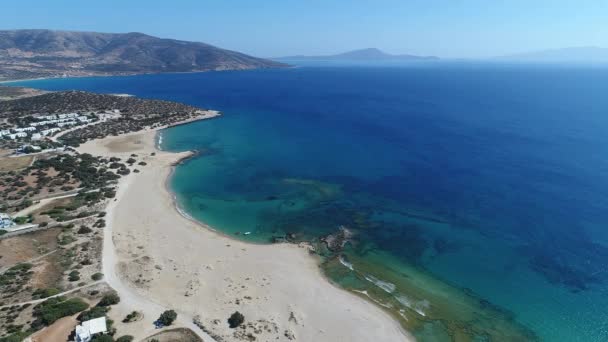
46, 53
363, 55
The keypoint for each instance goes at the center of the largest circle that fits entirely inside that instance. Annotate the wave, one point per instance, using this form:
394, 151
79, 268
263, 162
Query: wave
183, 213
418, 306
385, 285
160, 140
346, 263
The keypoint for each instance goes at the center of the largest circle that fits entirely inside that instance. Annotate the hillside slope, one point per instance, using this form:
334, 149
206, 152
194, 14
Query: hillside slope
46, 53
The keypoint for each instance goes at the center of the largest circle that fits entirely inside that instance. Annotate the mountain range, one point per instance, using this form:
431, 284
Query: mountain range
47, 53
362, 55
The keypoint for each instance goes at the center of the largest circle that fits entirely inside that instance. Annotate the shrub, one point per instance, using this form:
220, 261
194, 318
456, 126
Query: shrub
167, 317
131, 317
74, 276
53, 309
97, 276
84, 230
95, 312
44, 293
109, 299
236, 319
102, 338
125, 338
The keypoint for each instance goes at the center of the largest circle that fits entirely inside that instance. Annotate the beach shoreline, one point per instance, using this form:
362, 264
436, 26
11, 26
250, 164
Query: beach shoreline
207, 275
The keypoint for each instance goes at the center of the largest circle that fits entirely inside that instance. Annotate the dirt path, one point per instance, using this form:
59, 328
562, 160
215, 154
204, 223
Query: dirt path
58, 331
36, 301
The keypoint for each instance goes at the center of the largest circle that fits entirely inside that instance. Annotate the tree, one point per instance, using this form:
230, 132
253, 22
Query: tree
109, 299
84, 230
125, 338
102, 338
236, 319
167, 317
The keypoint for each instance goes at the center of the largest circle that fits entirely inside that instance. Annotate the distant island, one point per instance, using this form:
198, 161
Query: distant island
583, 54
362, 55
26, 54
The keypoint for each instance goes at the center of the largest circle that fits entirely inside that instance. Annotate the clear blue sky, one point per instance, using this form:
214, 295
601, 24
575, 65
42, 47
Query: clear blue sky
447, 28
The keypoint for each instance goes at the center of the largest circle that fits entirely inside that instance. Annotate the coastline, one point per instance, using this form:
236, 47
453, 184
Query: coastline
280, 286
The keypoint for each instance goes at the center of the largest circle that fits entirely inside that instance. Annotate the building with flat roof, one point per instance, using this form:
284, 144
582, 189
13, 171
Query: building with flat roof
86, 330
6, 221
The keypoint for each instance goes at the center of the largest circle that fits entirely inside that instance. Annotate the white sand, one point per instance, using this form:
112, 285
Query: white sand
159, 259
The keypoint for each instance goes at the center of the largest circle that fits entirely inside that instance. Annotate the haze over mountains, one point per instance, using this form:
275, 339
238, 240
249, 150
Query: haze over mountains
584, 54
363, 55
46, 53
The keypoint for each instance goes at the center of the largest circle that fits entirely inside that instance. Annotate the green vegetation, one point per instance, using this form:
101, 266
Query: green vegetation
16, 337
84, 230
236, 319
49, 311
109, 299
74, 276
21, 220
65, 239
167, 317
44, 293
102, 338
95, 312
97, 276
13, 280
125, 338
133, 316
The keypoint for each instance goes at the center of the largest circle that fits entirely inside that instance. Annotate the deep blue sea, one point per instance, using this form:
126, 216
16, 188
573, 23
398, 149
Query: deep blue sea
478, 192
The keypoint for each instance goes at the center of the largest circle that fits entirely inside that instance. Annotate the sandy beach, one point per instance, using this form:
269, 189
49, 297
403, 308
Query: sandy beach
157, 258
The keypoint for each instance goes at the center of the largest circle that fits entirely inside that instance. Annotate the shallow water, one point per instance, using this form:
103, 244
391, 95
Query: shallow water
478, 193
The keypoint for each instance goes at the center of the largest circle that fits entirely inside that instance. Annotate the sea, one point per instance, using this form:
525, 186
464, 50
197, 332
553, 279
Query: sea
477, 193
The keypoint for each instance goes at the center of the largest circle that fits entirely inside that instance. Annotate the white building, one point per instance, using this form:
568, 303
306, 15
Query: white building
46, 117
83, 119
87, 329
24, 129
5, 221
17, 135
50, 131
70, 115
36, 136
5, 132
69, 123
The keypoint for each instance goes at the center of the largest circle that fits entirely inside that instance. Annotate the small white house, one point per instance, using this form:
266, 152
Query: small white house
36, 136
47, 117
87, 329
70, 115
50, 131
5, 132
5, 221
17, 135
24, 129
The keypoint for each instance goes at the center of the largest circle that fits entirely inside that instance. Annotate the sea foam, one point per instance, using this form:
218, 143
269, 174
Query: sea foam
385, 285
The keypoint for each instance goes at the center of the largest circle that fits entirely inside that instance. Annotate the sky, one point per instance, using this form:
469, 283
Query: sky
274, 28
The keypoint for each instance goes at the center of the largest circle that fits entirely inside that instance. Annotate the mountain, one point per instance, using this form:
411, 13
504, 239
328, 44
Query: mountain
585, 54
363, 55
46, 53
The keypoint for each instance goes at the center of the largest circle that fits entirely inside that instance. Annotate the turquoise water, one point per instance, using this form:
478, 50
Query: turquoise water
478, 192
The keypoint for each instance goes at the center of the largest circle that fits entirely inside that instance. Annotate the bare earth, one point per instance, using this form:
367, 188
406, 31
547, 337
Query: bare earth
156, 258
